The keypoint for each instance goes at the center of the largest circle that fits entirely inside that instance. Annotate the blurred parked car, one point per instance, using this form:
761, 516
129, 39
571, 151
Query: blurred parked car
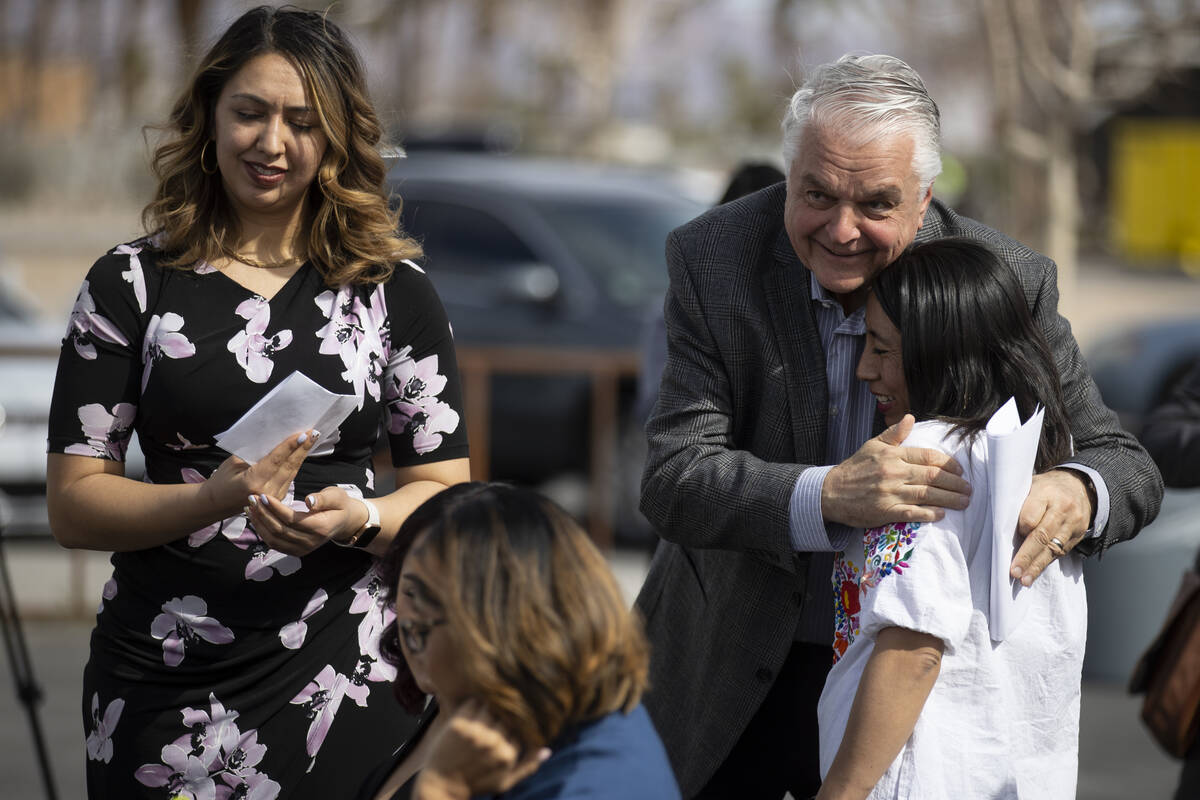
1131, 587
28, 357
28, 361
527, 252
1136, 367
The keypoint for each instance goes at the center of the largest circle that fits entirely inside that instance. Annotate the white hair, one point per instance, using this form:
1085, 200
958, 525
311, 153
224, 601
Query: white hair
862, 97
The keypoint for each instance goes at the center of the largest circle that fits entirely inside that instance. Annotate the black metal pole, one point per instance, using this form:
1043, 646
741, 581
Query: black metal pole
29, 693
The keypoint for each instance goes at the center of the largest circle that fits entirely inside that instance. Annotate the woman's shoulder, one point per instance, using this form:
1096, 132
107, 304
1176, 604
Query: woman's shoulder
935, 435
619, 752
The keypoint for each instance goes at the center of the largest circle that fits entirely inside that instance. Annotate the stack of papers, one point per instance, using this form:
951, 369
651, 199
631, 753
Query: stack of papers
296, 405
1012, 451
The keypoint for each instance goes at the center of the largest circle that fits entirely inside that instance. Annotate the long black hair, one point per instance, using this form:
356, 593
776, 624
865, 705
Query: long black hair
969, 341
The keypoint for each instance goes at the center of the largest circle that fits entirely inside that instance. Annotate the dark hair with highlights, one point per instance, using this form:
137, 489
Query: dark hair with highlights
352, 234
969, 342
532, 608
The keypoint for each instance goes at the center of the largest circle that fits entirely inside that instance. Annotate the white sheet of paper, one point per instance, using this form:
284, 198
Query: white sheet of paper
1012, 450
297, 404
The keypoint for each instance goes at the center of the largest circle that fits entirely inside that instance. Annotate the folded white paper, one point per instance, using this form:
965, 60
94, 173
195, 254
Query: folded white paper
1012, 450
297, 404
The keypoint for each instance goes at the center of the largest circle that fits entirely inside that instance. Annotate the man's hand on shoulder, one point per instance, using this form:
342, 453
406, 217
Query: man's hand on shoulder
1054, 518
886, 482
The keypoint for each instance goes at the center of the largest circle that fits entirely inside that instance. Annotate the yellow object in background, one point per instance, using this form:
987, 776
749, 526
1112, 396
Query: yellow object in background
1155, 197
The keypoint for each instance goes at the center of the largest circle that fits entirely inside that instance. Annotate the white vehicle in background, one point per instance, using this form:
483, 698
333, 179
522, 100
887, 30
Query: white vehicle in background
28, 361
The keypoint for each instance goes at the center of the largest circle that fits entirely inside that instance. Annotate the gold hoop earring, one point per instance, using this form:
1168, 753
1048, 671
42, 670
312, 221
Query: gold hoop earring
204, 150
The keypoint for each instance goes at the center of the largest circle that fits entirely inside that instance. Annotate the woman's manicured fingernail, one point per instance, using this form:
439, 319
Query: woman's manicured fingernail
246, 510
311, 500
251, 501
316, 435
266, 501
302, 438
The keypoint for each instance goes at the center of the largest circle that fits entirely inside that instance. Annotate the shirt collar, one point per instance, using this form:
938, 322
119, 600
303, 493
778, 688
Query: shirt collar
819, 294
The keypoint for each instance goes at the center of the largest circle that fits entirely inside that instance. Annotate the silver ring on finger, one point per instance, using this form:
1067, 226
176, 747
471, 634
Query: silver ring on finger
1057, 547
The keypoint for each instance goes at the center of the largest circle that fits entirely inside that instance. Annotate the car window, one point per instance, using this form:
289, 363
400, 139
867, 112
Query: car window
620, 242
473, 258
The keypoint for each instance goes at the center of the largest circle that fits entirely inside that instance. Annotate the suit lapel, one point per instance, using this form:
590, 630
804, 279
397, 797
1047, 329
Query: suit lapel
788, 294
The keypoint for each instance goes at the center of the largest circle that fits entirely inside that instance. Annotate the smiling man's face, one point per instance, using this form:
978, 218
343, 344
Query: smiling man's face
852, 208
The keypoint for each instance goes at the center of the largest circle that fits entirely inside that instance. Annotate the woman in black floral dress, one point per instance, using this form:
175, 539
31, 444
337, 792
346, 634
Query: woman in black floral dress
236, 650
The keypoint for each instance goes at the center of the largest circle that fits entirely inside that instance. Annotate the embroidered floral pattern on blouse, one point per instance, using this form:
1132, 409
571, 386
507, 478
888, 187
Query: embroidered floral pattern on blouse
886, 549
252, 347
411, 390
845, 605
85, 326
214, 760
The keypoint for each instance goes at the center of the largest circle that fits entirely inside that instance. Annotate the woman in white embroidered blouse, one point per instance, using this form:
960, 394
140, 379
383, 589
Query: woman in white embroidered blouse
921, 702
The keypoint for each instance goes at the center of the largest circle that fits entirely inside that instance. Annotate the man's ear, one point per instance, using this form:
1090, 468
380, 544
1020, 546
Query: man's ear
925, 205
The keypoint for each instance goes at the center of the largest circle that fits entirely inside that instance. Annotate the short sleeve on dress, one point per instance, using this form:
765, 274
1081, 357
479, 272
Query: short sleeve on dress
422, 393
100, 365
915, 577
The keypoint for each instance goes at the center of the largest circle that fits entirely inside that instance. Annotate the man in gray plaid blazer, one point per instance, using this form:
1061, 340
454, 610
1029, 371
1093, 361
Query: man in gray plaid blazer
766, 454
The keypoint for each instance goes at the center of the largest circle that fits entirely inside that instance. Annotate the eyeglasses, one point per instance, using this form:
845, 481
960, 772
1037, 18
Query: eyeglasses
416, 634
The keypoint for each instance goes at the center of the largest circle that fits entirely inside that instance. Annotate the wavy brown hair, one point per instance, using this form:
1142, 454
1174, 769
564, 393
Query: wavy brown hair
532, 608
353, 236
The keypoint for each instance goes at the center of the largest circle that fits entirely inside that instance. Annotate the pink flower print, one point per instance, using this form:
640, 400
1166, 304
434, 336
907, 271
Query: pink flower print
252, 347
107, 593
204, 268
233, 528
251, 785
353, 334
184, 622
412, 388
85, 325
293, 634
210, 733
134, 275
321, 699
227, 753
99, 741
183, 775
265, 562
107, 432
163, 340
368, 600
184, 444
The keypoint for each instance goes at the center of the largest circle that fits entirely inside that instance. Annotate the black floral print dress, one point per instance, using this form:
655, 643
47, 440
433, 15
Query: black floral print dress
221, 668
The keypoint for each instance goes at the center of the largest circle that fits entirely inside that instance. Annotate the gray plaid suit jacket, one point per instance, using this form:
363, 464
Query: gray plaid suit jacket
741, 411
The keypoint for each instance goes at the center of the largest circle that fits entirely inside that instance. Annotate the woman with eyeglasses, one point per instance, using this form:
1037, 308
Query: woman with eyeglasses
512, 637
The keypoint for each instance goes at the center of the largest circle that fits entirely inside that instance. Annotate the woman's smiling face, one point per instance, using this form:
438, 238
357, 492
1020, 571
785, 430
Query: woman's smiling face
882, 364
269, 141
